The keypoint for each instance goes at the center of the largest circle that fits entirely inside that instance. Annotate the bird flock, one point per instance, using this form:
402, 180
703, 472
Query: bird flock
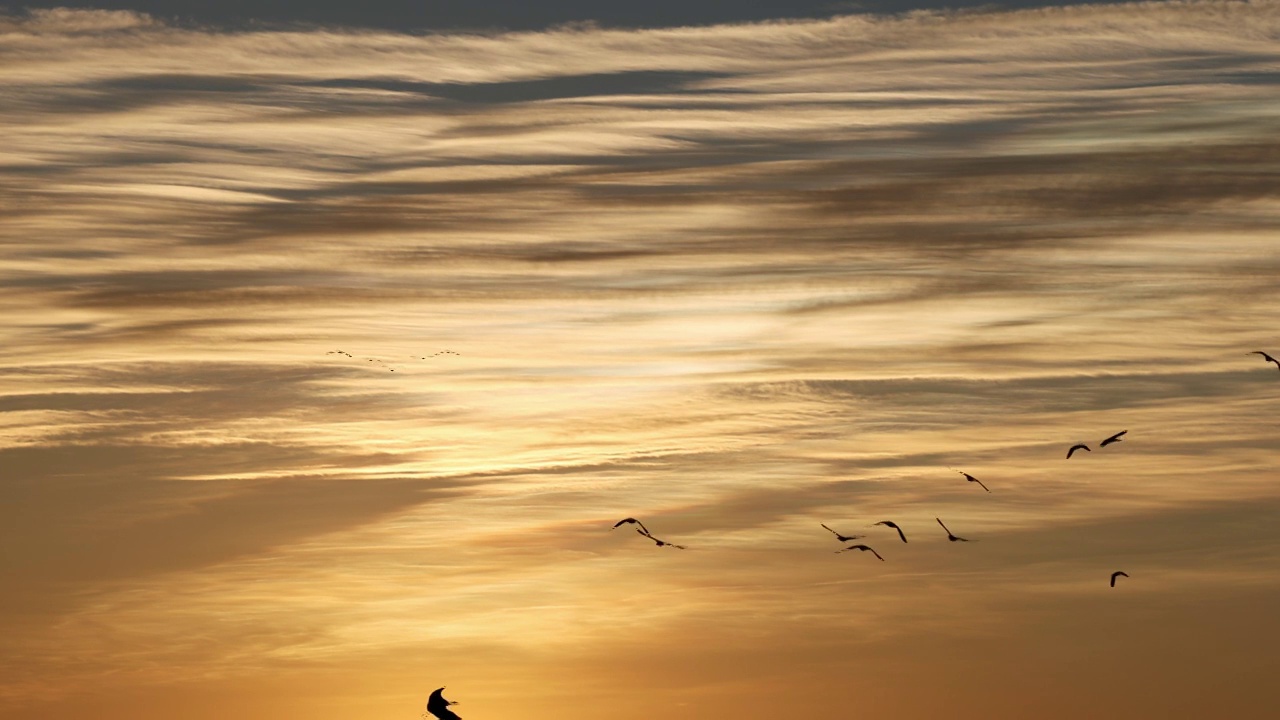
892, 525
384, 363
438, 707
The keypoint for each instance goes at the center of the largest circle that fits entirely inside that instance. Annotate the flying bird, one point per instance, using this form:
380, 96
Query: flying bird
1113, 439
951, 536
661, 543
339, 352
1077, 446
1117, 574
971, 478
863, 548
841, 538
438, 706
1266, 357
644, 530
894, 525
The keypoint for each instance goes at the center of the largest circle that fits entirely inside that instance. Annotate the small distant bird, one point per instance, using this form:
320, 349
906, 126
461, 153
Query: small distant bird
971, 478
1116, 574
1113, 439
1077, 446
841, 538
894, 525
1266, 357
438, 706
644, 530
661, 543
863, 548
339, 352
950, 536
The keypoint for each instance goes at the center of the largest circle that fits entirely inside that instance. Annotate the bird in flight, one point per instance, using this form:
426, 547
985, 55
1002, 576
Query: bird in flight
1077, 446
894, 525
841, 538
1117, 574
950, 535
442, 352
644, 530
439, 707
661, 543
863, 548
339, 352
971, 478
1266, 357
1113, 439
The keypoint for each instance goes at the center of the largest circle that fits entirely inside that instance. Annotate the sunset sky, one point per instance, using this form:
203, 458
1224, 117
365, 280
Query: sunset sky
734, 272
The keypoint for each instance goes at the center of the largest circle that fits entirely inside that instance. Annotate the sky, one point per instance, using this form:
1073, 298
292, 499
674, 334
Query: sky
736, 278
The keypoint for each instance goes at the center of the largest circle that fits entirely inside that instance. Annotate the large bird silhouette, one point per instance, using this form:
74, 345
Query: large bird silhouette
1116, 574
439, 707
894, 525
1266, 357
971, 478
863, 548
1113, 439
950, 535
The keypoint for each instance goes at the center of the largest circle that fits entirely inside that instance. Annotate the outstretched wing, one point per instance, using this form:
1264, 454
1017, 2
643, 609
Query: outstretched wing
1074, 448
1114, 438
438, 706
644, 530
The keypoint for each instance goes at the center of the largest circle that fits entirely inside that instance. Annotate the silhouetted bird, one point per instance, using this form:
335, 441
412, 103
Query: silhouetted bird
624, 521
863, 548
894, 525
339, 352
1113, 439
971, 478
841, 538
1077, 446
438, 706
1117, 574
950, 536
661, 543
1266, 357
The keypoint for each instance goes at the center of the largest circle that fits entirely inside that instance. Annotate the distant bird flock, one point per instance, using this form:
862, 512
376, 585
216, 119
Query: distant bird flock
438, 707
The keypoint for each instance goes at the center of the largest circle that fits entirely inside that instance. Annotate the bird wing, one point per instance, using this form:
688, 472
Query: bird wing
944, 527
984, 487
901, 534
1114, 438
438, 706
833, 532
873, 552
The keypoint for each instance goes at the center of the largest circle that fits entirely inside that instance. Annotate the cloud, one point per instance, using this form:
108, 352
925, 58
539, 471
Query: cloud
735, 280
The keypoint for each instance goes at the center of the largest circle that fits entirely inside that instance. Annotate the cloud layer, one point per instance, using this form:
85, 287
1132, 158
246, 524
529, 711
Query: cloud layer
735, 280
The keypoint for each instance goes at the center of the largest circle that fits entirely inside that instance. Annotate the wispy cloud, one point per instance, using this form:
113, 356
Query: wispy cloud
736, 280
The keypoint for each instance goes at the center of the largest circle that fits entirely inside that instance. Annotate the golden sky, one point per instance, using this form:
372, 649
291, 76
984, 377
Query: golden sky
735, 281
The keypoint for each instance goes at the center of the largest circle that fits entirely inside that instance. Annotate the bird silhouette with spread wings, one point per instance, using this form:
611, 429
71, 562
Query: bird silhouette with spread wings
894, 525
1113, 439
863, 548
1266, 357
950, 535
971, 478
